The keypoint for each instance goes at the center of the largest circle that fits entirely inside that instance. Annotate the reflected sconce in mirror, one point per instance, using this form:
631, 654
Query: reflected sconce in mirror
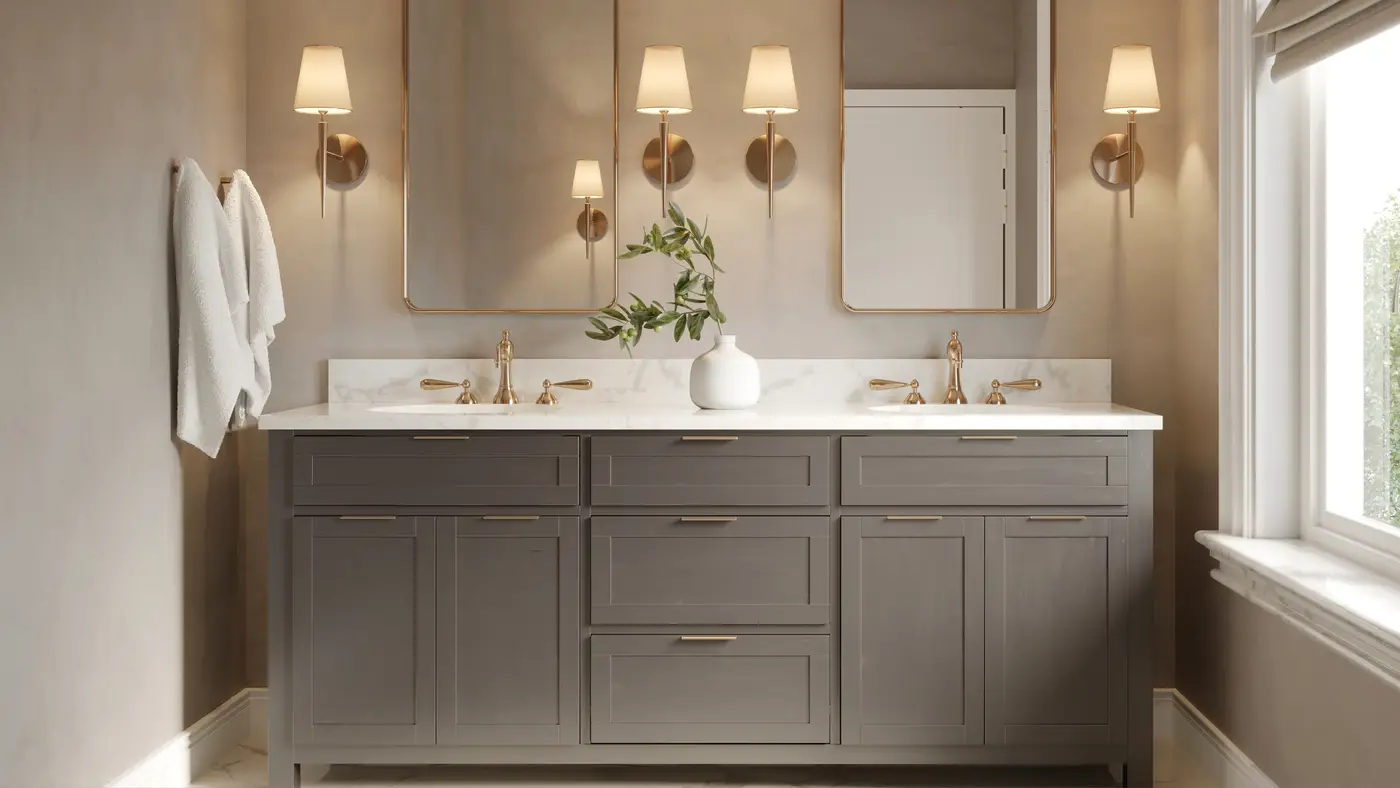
323, 89
1132, 91
588, 186
665, 90
772, 90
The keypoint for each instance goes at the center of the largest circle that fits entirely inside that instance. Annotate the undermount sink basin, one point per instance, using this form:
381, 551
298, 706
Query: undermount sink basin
452, 409
953, 410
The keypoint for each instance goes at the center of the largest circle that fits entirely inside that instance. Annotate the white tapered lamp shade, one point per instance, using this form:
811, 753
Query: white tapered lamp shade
1132, 82
322, 85
664, 86
771, 86
588, 180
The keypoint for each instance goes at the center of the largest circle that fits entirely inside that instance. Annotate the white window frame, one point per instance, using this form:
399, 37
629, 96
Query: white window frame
1338, 581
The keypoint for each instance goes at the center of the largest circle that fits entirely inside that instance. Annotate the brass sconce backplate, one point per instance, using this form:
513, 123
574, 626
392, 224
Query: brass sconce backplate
600, 225
783, 166
1110, 162
682, 159
347, 159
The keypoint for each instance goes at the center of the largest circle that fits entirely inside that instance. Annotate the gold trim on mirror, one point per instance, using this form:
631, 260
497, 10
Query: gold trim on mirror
1053, 230
407, 182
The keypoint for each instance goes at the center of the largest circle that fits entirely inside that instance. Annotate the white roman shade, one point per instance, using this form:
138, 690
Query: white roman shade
1302, 33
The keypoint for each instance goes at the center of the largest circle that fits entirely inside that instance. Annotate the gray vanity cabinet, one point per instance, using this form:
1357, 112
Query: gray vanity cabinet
1057, 618
912, 630
363, 630
508, 630
634, 598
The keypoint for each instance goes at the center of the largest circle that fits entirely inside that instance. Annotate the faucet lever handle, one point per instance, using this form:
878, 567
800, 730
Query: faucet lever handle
914, 398
1029, 384
468, 397
548, 398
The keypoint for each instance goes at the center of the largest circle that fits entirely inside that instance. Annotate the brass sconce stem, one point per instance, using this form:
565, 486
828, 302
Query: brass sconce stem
772, 157
665, 161
588, 238
323, 136
1132, 164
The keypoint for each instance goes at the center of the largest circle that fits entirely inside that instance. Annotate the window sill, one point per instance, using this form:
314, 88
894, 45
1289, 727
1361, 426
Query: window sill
1340, 603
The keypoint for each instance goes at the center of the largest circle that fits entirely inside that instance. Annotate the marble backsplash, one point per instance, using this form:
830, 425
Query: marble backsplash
665, 382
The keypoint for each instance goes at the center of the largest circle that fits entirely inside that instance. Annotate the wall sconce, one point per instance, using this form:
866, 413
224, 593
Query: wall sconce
1132, 90
588, 186
323, 89
665, 90
771, 90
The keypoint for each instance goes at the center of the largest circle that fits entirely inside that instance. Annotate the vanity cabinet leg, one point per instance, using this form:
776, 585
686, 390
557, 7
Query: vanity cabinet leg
283, 774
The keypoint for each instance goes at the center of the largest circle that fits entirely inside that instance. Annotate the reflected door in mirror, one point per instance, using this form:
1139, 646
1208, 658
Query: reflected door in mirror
947, 180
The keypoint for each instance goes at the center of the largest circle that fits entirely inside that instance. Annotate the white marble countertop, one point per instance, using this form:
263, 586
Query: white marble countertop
836, 417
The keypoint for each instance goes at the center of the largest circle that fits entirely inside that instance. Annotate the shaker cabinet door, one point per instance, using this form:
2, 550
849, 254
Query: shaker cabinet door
362, 622
912, 631
1056, 631
508, 630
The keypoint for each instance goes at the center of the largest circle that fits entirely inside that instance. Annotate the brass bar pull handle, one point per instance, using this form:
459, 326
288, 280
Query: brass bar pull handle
518, 518
368, 517
929, 518
709, 638
709, 519
710, 438
1058, 518
441, 438
433, 384
989, 437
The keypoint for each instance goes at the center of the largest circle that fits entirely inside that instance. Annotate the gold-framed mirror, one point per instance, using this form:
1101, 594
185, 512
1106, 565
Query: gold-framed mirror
947, 153
501, 100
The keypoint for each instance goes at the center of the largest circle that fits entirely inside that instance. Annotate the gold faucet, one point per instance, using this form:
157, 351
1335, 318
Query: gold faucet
505, 353
955, 394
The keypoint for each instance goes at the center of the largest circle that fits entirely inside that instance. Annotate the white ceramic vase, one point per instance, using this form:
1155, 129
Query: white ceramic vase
724, 378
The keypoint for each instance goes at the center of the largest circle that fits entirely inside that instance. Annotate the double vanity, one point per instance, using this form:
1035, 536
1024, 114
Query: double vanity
607, 582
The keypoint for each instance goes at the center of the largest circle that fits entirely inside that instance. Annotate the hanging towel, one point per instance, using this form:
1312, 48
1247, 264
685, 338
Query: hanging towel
252, 240
212, 288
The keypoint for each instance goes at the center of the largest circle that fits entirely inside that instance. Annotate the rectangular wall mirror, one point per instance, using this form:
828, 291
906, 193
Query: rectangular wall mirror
948, 149
501, 98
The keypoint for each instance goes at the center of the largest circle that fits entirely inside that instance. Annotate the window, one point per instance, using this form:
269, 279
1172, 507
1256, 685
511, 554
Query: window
1357, 326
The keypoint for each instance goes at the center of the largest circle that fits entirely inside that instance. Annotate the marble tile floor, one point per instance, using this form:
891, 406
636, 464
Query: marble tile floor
246, 767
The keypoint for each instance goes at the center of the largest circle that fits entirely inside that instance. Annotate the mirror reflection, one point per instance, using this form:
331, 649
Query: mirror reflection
503, 101
948, 137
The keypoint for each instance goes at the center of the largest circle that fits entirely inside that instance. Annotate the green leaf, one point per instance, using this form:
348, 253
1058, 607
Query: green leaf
614, 313
696, 323
676, 214
599, 335
694, 229
598, 324
709, 248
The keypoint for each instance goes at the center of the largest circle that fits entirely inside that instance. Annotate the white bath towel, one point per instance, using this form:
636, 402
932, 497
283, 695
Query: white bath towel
212, 288
252, 240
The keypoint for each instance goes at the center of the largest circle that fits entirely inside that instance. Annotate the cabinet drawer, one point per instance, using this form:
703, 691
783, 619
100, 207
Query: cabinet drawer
711, 470
745, 689
435, 470
711, 570
985, 471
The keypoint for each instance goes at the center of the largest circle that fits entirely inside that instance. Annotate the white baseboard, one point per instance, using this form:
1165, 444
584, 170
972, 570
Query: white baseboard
1189, 748
197, 749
